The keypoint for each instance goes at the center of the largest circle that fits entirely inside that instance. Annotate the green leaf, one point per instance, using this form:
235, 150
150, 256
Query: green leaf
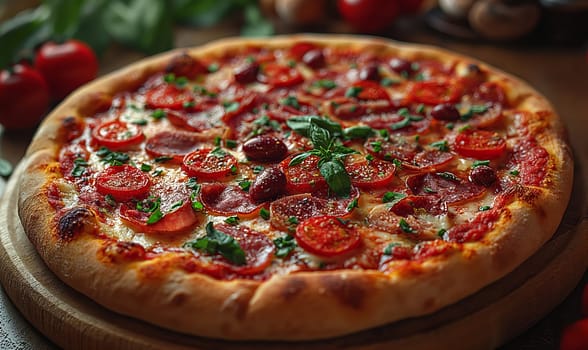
337, 178
358, 132
404, 226
264, 213
284, 245
255, 24
299, 158
204, 13
65, 16
392, 197
301, 125
143, 25
321, 138
217, 242
20, 34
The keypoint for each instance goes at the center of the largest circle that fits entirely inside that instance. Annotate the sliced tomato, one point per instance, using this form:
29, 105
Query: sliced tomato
369, 90
175, 144
123, 182
180, 220
280, 76
369, 174
298, 50
327, 236
303, 177
434, 92
480, 144
168, 96
258, 248
117, 135
209, 164
223, 199
450, 188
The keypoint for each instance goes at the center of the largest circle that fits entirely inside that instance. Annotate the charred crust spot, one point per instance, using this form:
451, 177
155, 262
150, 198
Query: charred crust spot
75, 222
293, 287
184, 65
71, 128
123, 251
348, 291
179, 299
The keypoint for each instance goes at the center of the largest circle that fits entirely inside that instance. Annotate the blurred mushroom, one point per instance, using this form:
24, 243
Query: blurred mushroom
301, 12
498, 20
457, 9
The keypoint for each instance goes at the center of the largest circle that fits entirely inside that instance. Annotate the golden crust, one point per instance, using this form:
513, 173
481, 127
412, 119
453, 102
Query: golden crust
296, 306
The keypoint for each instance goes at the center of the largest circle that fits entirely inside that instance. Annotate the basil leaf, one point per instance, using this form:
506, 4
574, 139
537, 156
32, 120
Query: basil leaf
217, 242
284, 245
301, 125
299, 159
321, 138
358, 132
337, 178
255, 24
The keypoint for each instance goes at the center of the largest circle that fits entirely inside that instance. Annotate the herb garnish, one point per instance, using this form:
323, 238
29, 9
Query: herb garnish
217, 242
111, 157
404, 226
478, 163
284, 245
264, 213
441, 145
392, 197
80, 165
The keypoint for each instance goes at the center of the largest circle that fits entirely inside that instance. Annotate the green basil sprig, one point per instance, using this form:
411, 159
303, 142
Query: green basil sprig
217, 242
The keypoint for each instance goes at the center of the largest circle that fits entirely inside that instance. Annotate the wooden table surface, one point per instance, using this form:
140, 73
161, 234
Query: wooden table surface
560, 73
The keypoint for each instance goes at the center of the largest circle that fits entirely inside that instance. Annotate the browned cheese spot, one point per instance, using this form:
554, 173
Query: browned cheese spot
75, 222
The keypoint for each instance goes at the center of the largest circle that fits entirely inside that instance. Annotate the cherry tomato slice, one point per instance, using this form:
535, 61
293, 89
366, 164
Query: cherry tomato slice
167, 96
434, 92
180, 220
480, 144
303, 177
369, 174
209, 164
258, 249
24, 97
280, 76
117, 135
370, 90
299, 49
327, 236
123, 182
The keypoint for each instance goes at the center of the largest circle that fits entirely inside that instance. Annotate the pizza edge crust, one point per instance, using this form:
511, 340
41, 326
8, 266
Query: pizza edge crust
288, 307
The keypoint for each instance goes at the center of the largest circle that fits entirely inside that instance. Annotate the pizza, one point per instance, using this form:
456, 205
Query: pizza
294, 188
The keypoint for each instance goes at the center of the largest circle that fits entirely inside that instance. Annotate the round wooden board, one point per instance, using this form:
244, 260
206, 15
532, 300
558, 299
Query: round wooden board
482, 321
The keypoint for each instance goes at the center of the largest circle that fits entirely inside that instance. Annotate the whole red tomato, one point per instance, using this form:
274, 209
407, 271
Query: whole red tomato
369, 16
66, 66
585, 301
410, 7
24, 97
575, 336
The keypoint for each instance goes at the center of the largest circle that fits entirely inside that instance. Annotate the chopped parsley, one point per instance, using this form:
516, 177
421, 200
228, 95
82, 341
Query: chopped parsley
484, 208
232, 220
441, 232
405, 227
478, 163
390, 248
353, 91
230, 106
146, 167
213, 67
292, 220
392, 197
514, 172
158, 114
441, 145
230, 143
257, 169
448, 176
217, 242
325, 84
79, 168
245, 185
264, 213
284, 245
352, 204
291, 101
111, 157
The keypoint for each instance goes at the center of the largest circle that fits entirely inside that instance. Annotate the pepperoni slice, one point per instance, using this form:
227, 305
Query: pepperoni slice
184, 65
68, 157
258, 248
123, 182
396, 123
283, 112
475, 229
179, 219
480, 144
167, 96
222, 199
394, 148
409, 205
303, 177
240, 105
117, 135
450, 188
429, 160
383, 218
197, 121
347, 110
327, 236
369, 174
175, 144
434, 92
209, 164
490, 92
280, 76
286, 212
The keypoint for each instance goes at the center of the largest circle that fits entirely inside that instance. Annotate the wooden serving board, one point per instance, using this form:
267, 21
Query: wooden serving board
482, 321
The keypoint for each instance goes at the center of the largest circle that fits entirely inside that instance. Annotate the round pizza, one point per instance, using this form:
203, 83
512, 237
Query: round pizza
294, 188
